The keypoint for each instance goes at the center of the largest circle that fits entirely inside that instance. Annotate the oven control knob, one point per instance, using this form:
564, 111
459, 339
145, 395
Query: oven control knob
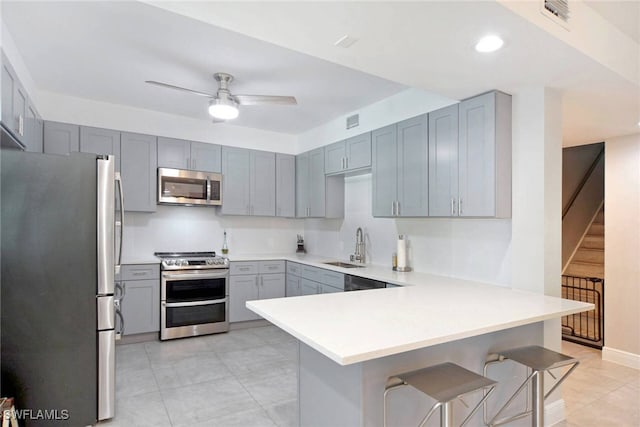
210, 262
183, 262
170, 262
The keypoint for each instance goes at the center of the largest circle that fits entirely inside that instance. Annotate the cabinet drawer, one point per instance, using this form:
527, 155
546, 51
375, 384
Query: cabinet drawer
312, 273
294, 268
140, 272
333, 279
268, 267
244, 267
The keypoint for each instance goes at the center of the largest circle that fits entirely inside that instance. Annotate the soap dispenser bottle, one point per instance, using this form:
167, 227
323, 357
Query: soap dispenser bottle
225, 247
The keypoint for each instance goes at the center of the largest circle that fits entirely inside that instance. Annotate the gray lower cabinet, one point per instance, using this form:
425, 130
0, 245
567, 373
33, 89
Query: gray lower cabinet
317, 196
316, 280
141, 302
61, 138
285, 185
245, 287
248, 182
139, 172
351, 154
100, 141
399, 169
193, 155
293, 286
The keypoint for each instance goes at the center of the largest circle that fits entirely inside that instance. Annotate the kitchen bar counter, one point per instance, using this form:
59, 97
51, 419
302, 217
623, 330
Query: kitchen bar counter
350, 343
436, 310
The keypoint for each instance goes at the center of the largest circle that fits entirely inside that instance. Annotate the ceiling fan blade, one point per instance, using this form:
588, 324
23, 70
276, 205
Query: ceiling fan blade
184, 89
265, 100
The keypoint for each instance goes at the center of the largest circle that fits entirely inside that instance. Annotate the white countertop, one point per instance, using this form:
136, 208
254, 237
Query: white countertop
354, 327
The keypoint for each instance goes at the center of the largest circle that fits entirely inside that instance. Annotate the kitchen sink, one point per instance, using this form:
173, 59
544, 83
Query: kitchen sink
343, 264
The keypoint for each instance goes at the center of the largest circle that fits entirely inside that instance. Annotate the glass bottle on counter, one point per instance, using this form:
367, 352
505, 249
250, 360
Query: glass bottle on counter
225, 247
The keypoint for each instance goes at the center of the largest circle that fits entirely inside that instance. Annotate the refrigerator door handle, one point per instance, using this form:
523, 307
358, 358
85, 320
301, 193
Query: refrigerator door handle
106, 374
118, 179
106, 224
120, 332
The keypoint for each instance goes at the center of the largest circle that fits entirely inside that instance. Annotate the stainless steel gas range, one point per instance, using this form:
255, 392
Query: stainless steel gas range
194, 294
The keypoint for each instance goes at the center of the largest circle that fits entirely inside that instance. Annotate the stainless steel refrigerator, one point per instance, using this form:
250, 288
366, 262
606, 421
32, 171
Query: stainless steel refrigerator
57, 286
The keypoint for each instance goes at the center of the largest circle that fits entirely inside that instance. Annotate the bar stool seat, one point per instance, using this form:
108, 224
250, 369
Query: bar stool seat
444, 383
538, 360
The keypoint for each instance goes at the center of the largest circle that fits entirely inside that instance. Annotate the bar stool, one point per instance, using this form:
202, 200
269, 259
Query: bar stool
538, 360
444, 383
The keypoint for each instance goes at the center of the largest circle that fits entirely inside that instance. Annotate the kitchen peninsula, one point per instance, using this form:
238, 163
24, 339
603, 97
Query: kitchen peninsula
350, 343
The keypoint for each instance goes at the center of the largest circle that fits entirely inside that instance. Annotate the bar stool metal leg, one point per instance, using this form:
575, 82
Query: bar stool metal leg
537, 383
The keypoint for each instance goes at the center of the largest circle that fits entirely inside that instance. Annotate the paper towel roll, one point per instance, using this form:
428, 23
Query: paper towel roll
402, 253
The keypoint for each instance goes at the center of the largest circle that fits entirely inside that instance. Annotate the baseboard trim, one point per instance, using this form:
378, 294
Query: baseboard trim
554, 412
621, 357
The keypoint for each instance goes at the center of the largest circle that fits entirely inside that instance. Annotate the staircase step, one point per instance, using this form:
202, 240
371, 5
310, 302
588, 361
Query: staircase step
596, 229
595, 256
585, 269
600, 217
593, 242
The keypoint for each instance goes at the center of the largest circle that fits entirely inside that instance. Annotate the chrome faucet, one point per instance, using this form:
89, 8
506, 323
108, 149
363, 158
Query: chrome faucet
359, 254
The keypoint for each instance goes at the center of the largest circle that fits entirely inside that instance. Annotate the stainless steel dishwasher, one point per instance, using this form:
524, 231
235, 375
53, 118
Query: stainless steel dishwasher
356, 283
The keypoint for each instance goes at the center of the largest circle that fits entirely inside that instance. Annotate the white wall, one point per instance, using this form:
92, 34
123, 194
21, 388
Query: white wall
622, 251
408, 103
180, 228
477, 249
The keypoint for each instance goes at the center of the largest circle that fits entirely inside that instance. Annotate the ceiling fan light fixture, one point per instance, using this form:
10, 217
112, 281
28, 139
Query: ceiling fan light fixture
223, 109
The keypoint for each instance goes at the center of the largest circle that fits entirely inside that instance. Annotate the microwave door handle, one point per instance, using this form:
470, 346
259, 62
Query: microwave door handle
121, 194
208, 188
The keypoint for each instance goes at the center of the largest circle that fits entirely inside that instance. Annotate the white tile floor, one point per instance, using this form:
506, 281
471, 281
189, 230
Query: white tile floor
248, 378
243, 378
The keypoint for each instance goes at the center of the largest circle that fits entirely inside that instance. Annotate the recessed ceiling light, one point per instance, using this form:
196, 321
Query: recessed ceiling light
345, 41
489, 44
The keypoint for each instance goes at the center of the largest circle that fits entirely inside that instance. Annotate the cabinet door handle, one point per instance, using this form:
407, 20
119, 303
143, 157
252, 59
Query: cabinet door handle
188, 162
460, 207
346, 163
397, 208
21, 125
193, 163
453, 206
393, 208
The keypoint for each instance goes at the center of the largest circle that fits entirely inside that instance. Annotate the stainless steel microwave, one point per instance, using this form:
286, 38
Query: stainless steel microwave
189, 188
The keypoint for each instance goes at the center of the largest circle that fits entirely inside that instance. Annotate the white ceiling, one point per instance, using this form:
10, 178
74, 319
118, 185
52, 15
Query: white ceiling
106, 50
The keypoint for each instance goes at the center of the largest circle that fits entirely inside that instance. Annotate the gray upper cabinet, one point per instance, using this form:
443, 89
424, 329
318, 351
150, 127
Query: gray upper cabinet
400, 181
302, 185
235, 181
473, 177
174, 153
384, 171
443, 161
100, 141
248, 182
19, 114
206, 157
348, 155
34, 132
316, 184
262, 188
413, 185
139, 157
334, 156
285, 185
61, 138
182, 154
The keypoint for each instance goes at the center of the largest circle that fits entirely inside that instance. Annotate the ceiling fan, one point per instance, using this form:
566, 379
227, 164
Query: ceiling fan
223, 105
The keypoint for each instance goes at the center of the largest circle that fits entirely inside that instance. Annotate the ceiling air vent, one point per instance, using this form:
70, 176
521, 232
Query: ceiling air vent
353, 121
557, 10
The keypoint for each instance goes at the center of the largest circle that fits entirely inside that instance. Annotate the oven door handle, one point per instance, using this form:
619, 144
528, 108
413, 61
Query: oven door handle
198, 275
193, 303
